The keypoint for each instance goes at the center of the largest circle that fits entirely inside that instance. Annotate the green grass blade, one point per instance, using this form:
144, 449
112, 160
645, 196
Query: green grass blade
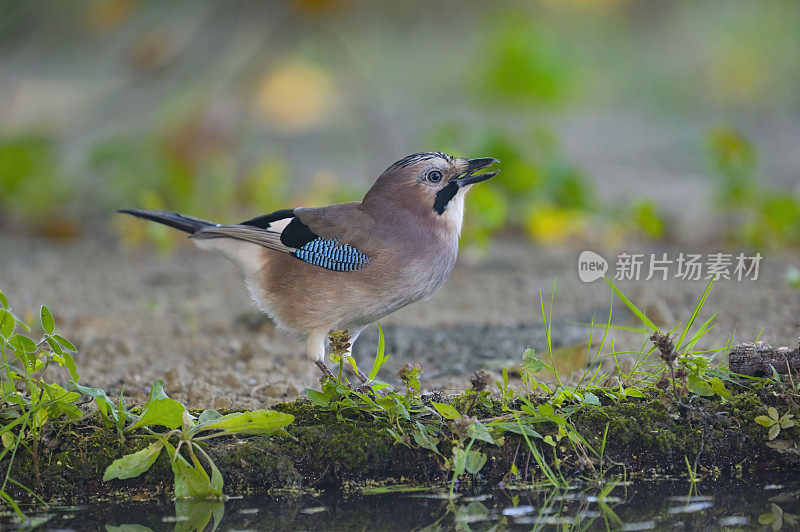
548, 323
704, 329
380, 356
551, 476
697, 308
633, 308
608, 324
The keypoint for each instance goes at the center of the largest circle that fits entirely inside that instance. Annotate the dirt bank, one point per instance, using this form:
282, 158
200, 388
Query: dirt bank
341, 449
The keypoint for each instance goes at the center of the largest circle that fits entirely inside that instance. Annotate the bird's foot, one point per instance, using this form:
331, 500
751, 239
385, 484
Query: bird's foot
357, 372
326, 371
365, 388
361, 376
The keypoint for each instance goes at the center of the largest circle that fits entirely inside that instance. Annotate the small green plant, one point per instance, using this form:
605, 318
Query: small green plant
340, 351
733, 158
29, 397
184, 433
410, 374
694, 478
775, 422
31, 401
465, 458
693, 368
113, 417
407, 413
506, 392
775, 518
530, 366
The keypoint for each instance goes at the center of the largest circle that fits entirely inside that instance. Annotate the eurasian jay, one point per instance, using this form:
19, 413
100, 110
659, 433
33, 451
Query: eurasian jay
341, 267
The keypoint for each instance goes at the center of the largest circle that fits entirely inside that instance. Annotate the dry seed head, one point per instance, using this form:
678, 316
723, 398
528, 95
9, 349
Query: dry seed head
666, 347
340, 341
409, 371
480, 380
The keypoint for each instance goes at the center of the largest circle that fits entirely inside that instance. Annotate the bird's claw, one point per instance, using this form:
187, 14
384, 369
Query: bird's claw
365, 388
369, 390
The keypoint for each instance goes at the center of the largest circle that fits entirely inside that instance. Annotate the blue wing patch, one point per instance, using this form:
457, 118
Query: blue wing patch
332, 255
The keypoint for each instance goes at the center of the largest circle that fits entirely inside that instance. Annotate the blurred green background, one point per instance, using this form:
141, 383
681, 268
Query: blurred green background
614, 120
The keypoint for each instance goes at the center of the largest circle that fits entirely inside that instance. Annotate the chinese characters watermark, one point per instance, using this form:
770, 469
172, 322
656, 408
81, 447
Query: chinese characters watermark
663, 266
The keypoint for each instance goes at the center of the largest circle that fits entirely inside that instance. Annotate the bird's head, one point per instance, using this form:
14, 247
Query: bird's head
432, 182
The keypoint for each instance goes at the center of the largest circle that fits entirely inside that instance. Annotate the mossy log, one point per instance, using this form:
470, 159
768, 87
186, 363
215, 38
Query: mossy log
760, 359
648, 435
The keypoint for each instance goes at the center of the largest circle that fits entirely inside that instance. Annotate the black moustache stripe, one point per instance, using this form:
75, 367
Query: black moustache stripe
444, 196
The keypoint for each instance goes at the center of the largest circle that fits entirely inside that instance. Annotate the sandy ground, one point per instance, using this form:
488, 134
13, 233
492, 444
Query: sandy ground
186, 318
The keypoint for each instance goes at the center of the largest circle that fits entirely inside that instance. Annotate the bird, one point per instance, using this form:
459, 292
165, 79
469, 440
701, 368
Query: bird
314, 270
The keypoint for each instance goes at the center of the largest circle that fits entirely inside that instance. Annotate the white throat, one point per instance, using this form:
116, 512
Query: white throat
453, 214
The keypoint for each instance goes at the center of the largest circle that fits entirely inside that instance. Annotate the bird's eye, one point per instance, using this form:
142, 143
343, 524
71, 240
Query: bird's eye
434, 176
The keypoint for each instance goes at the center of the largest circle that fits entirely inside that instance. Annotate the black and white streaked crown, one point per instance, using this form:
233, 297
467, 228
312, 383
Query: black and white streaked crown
417, 157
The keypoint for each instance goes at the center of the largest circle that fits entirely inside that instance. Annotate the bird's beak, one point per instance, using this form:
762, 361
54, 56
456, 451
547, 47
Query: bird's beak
469, 177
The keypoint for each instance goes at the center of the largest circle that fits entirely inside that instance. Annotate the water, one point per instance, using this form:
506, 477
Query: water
640, 505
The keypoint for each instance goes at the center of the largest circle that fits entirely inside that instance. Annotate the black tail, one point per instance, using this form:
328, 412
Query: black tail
172, 219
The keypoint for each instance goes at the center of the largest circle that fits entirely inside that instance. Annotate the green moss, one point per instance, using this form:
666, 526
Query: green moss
660, 431
335, 448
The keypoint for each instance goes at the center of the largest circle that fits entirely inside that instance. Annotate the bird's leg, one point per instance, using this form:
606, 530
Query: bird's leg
360, 374
366, 382
315, 351
348, 355
326, 371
